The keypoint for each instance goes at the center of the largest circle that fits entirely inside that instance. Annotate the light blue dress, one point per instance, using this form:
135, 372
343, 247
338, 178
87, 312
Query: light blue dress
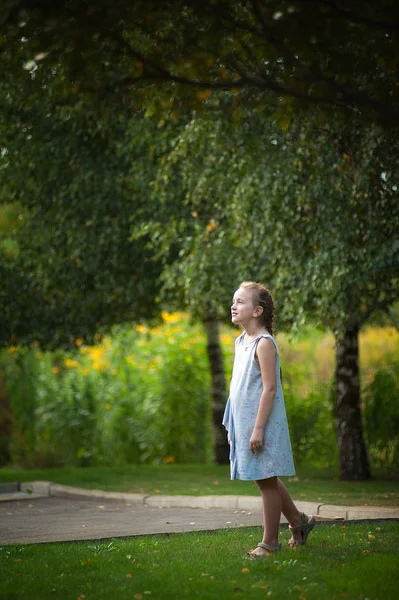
246, 387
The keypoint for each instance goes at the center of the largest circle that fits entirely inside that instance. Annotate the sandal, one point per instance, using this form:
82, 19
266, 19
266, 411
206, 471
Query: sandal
306, 526
269, 550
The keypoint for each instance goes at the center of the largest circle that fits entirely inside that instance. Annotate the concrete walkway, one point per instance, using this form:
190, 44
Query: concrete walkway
37, 512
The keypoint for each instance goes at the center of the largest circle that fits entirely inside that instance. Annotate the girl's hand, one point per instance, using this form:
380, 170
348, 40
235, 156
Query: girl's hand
256, 441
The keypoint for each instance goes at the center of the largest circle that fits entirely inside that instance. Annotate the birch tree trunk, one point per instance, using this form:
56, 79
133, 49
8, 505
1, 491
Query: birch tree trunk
219, 393
353, 457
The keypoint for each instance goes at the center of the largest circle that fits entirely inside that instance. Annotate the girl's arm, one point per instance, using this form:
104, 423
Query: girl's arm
266, 353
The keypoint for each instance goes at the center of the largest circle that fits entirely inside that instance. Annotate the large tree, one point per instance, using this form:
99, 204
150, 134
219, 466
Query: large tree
174, 53
313, 210
78, 174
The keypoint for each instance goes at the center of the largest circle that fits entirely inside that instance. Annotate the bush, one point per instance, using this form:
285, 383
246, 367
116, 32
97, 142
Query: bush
381, 417
310, 419
143, 395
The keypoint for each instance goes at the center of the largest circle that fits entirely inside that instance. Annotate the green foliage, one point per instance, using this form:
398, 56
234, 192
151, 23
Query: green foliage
248, 200
74, 270
143, 396
310, 418
141, 399
170, 56
23, 392
381, 416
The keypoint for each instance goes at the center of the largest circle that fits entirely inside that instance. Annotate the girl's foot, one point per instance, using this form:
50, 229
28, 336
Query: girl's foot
300, 532
263, 550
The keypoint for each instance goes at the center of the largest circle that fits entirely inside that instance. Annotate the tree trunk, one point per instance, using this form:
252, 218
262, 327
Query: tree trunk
353, 458
221, 447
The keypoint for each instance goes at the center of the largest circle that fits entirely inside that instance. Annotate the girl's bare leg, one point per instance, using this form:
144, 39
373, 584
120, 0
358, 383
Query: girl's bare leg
289, 510
271, 503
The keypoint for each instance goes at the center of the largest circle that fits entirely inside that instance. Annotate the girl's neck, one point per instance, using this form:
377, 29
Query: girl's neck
254, 329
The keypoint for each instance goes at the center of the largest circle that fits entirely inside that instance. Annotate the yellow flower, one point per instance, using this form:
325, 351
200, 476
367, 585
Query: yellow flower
99, 365
170, 317
55, 370
71, 363
169, 459
13, 348
226, 339
141, 329
107, 405
211, 225
78, 342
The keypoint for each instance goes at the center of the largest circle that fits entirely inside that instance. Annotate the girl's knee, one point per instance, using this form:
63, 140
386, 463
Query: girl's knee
270, 482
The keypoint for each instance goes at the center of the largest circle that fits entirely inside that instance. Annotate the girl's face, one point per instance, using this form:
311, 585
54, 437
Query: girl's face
242, 308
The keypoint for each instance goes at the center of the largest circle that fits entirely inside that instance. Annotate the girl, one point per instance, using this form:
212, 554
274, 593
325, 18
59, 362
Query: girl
256, 420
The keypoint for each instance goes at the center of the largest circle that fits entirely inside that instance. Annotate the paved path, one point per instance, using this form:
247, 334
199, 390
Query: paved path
39, 512
65, 519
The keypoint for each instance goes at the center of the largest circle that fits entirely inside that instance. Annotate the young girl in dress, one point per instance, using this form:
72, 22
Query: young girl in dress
256, 421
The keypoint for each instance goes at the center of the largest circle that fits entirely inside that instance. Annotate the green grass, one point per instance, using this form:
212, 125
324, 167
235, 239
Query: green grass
355, 561
314, 486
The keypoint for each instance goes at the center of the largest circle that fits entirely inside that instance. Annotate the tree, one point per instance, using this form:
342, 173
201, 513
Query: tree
79, 174
313, 210
194, 231
175, 53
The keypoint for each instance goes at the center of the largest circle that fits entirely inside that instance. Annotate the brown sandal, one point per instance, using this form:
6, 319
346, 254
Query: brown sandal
307, 524
269, 550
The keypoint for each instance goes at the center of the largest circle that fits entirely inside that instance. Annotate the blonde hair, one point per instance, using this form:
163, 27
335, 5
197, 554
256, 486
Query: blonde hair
263, 298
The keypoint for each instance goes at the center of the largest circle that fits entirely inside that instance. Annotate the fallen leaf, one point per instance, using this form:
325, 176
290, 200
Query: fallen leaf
138, 596
128, 575
245, 570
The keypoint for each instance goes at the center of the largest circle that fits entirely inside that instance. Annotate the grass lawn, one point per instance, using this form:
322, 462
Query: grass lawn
315, 486
340, 561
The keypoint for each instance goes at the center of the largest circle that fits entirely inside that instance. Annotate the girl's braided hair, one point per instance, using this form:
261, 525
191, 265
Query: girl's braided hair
262, 297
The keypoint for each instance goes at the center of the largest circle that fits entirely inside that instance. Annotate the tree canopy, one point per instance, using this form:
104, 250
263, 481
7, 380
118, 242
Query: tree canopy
180, 53
78, 174
313, 211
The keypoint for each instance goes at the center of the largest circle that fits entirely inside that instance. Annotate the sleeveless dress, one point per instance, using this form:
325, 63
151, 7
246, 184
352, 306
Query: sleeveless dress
275, 458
